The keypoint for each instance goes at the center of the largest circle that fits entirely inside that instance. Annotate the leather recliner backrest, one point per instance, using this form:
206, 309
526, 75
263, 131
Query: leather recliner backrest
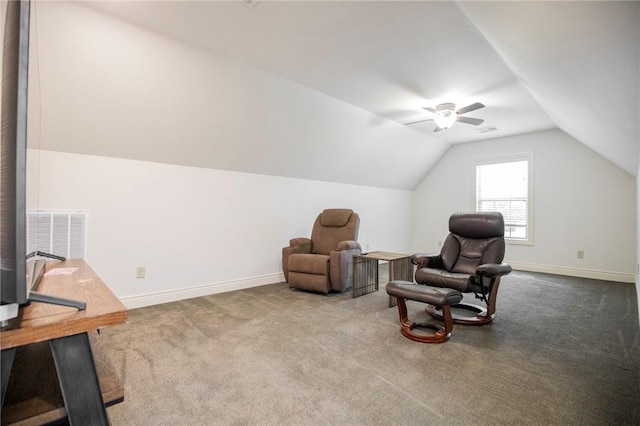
474, 239
333, 226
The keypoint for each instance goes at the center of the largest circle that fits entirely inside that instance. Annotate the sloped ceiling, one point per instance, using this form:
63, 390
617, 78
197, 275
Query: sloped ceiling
535, 65
580, 61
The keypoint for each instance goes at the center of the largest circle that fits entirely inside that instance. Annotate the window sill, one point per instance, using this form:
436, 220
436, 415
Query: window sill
515, 242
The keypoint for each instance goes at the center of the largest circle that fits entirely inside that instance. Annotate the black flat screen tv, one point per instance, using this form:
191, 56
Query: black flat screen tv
20, 273
15, 282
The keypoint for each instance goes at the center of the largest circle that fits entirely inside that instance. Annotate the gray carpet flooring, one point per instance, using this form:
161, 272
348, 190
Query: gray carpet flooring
562, 351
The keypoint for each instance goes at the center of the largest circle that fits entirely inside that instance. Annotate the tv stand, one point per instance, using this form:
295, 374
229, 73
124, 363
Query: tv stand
83, 373
45, 254
53, 300
38, 270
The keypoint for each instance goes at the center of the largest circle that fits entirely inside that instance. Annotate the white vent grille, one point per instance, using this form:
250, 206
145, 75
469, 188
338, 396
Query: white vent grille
488, 129
249, 3
63, 233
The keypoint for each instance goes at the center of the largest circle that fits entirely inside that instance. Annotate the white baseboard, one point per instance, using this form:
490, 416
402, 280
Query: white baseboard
140, 301
575, 272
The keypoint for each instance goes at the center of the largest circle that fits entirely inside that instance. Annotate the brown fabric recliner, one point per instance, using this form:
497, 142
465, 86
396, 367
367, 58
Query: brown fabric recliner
470, 261
323, 263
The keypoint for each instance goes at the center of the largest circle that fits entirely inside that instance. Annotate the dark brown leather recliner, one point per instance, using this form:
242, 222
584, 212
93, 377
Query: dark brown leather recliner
470, 261
324, 262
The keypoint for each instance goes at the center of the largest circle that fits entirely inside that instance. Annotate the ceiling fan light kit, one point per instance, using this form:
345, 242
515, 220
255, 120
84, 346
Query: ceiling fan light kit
445, 115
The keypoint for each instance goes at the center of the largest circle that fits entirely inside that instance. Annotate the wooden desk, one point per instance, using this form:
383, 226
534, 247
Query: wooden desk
67, 332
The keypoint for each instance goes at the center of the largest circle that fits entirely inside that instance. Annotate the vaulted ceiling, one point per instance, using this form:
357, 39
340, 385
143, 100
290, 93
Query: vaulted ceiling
535, 65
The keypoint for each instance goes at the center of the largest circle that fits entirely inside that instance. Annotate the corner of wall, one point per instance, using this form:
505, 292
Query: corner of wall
638, 240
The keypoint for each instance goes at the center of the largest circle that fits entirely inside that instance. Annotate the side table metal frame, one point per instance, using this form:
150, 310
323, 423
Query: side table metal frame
366, 277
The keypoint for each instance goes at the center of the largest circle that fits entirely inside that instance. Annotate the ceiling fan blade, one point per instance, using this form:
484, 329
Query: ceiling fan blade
469, 120
437, 129
470, 108
429, 109
419, 121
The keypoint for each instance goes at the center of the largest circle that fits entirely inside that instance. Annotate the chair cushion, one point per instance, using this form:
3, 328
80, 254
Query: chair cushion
423, 293
444, 279
474, 239
342, 225
477, 225
317, 264
335, 217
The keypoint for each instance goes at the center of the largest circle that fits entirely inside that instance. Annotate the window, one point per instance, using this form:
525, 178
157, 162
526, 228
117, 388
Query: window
505, 185
63, 233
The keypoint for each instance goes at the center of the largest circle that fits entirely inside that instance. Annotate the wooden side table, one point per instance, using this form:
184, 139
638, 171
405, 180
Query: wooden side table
365, 271
43, 335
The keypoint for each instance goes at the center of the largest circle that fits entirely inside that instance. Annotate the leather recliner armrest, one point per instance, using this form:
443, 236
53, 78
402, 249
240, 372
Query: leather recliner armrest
493, 270
423, 260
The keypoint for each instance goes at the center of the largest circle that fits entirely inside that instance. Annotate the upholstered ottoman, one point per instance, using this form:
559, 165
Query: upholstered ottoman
440, 297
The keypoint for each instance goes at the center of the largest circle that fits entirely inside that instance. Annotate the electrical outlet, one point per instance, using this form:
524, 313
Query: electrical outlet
580, 254
140, 272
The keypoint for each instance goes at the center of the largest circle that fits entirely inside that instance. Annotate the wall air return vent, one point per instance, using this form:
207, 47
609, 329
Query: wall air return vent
63, 233
249, 3
488, 129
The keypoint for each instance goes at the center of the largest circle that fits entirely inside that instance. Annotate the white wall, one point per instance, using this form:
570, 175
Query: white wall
200, 231
638, 238
582, 202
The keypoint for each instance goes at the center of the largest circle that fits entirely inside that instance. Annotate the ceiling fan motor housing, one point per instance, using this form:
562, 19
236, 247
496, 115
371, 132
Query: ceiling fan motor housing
446, 107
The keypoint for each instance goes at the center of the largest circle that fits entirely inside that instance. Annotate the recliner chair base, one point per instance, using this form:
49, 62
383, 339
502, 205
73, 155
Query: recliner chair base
481, 315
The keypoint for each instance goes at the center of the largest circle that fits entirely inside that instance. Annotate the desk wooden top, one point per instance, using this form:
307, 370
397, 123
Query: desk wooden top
72, 279
384, 255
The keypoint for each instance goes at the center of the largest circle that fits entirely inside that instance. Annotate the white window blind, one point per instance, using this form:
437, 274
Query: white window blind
63, 233
505, 186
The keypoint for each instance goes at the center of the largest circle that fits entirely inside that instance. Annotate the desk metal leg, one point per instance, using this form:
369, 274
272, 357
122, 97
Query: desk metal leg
78, 380
8, 356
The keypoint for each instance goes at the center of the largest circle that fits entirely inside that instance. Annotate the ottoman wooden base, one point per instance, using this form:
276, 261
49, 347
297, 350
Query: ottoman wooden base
441, 297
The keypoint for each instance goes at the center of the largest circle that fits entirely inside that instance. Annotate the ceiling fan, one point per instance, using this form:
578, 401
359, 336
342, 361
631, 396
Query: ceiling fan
446, 115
